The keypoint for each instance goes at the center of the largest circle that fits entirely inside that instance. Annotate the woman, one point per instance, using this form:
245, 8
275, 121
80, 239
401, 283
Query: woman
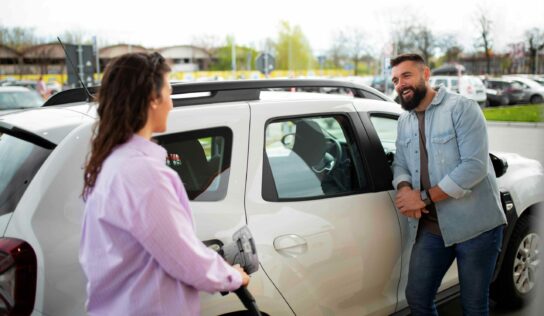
138, 248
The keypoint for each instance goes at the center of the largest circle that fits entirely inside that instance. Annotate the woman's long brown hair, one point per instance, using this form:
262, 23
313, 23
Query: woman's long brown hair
129, 84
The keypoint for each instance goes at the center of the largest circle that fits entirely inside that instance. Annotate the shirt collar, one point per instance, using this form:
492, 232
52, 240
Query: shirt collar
439, 96
147, 147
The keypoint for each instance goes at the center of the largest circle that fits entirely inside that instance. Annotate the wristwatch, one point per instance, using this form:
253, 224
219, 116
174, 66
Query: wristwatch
426, 197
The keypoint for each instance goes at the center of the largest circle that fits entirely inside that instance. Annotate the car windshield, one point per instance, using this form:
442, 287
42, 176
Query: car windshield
19, 100
19, 162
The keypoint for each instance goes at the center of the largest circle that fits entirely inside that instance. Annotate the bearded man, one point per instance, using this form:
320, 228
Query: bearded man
446, 187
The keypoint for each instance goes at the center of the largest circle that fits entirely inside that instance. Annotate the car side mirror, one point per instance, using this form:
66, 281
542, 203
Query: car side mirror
288, 140
499, 165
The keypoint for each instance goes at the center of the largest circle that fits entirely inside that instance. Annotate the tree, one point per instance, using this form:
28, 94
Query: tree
352, 43
18, 38
337, 51
449, 47
76, 37
209, 43
244, 56
424, 41
535, 43
402, 37
484, 41
293, 51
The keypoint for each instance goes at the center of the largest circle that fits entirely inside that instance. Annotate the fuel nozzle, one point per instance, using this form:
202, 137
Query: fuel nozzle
242, 251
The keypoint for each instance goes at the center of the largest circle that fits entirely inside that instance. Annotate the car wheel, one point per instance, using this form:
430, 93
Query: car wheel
516, 282
536, 99
505, 100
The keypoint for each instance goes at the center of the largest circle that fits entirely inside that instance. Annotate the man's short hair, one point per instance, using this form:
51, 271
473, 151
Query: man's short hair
407, 57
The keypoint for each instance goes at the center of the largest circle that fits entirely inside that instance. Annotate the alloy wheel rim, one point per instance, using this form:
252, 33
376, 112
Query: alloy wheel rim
526, 263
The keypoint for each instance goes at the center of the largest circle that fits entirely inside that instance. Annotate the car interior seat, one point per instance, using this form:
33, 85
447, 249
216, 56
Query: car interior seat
310, 143
194, 170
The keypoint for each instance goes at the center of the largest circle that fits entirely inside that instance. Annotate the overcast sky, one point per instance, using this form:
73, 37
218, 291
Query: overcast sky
160, 23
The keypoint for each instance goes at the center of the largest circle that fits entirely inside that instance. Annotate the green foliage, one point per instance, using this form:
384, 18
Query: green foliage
519, 113
18, 38
245, 57
293, 51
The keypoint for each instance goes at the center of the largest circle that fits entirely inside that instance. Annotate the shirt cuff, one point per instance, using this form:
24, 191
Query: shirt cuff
400, 179
451, 188
235, 280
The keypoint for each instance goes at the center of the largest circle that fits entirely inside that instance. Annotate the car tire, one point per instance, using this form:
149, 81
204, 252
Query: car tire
516, 283
536, 99
505, 100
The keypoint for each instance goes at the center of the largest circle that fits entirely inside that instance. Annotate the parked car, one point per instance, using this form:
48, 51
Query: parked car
469, 86
18, 98
503, 91
30, 84
309, 173
382, 84
533, 92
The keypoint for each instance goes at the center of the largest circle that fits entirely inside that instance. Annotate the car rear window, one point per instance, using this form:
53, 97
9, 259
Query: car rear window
19, 162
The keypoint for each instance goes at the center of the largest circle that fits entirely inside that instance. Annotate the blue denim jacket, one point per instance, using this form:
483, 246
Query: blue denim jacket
459, 163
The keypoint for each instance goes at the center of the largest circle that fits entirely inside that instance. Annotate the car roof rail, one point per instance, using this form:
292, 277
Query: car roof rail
194, 93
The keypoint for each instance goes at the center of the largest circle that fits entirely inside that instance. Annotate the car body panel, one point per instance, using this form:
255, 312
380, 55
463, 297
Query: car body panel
337, 265
524, 180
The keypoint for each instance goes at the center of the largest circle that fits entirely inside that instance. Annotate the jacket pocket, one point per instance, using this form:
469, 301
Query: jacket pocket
442, 139
406, 142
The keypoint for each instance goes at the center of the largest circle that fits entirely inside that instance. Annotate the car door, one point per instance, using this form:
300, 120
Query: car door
381, 126
207, 145
328, 243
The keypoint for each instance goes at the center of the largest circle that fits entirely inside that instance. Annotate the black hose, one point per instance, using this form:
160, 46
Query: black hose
248, 300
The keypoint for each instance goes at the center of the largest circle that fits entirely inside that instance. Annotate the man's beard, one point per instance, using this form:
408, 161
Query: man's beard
418, 93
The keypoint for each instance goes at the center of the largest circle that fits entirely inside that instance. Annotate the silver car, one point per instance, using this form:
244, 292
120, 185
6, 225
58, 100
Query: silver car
533, 91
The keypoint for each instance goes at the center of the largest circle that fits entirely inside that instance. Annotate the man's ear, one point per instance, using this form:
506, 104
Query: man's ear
427, 73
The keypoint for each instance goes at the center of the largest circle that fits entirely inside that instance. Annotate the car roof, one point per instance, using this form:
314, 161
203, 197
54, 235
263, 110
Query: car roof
51, 124
225, 91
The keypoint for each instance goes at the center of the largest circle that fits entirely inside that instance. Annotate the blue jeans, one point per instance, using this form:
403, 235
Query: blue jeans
430, 260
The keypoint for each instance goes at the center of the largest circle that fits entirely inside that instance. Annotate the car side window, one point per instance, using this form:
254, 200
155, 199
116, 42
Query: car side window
202, 160
454, 84
386, 128
516, 85
311, 157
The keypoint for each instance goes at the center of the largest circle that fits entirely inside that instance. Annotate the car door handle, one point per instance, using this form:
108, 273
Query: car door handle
291, 245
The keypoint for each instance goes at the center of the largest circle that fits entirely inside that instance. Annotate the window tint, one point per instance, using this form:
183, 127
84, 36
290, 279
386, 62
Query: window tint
202, 160
386, 128
19, 162
311, 157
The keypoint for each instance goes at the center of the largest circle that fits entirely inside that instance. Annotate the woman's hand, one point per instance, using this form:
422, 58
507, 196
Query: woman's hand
245, 276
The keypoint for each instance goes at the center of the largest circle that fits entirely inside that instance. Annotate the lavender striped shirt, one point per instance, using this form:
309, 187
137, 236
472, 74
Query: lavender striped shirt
138, 247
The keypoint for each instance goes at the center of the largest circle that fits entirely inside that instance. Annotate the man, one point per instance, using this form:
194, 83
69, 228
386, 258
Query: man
446, 186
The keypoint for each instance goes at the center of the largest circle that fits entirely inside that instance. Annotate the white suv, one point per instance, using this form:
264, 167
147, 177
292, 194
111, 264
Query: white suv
309, 173
469, 86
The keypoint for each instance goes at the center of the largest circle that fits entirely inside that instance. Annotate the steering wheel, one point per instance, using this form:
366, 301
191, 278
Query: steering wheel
332, 156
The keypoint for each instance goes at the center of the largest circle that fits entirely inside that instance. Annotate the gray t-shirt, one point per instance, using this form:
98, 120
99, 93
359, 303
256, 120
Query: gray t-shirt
429, 221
